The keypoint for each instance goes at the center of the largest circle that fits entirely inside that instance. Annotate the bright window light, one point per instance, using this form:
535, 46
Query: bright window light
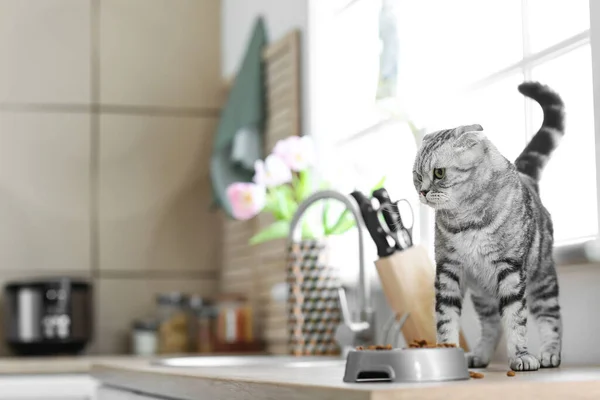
460, 63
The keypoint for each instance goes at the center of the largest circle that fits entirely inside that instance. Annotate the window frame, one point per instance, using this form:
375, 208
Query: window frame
585, 251
579, 251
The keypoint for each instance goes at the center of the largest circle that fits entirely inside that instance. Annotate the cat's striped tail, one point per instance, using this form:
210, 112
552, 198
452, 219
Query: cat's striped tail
536, 154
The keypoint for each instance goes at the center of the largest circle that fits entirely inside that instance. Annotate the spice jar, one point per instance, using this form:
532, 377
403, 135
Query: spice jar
204, 332
234, 324
173, 331
144, 337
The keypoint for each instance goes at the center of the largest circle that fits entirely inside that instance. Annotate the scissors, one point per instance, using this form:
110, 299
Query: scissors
398, 230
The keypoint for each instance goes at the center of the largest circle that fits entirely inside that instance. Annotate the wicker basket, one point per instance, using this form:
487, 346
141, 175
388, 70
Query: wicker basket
313, 304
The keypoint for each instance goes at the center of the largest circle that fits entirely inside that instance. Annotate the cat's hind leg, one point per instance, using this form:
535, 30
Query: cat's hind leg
544, 307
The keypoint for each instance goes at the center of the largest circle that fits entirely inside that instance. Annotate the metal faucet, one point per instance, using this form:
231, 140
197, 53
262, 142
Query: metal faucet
349, 333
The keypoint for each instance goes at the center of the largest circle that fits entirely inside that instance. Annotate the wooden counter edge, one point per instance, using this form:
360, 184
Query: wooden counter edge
497, 390
176, 385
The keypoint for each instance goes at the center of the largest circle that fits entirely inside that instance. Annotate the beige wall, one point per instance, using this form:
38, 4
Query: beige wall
107, 113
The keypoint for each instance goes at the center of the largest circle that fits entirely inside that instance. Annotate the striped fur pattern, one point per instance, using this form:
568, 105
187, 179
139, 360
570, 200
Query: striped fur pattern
494, 236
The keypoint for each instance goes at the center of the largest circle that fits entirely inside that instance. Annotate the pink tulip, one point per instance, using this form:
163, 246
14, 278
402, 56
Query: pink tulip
297, 152
272, 172
246, 199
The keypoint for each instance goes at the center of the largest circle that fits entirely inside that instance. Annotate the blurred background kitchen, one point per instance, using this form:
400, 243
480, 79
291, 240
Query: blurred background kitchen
123, 122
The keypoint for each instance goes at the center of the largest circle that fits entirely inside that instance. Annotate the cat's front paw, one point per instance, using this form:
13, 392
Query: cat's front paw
549, 359
477, 360
526, 362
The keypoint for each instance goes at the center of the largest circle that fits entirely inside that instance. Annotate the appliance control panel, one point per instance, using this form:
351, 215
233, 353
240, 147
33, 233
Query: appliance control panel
56, 326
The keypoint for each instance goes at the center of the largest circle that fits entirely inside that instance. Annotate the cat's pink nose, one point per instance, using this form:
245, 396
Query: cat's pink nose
424, 192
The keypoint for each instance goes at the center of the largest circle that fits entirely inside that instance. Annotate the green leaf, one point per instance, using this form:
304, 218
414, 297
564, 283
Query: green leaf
295, 180
303, 185
270, 203
306, 231
412, 126
324, 218
340, 221
379, 184
286, 206
276, 230
287, 191
344, 224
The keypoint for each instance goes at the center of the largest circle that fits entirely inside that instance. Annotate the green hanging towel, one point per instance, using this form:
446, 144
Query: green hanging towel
240, 133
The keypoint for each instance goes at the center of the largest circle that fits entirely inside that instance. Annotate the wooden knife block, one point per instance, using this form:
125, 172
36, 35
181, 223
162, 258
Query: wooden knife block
408, 279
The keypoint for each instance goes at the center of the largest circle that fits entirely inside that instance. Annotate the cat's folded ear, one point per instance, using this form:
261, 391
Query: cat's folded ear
469, 143
468, 140
427, 137
468, 128
467, 136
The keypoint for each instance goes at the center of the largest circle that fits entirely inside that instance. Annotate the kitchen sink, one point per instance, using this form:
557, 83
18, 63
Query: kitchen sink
249, 361
335, 362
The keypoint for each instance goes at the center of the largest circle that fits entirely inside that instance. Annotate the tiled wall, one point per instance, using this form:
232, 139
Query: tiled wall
107, 113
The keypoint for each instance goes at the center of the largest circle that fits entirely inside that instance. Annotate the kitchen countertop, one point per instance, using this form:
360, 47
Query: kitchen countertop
52, 365
314, 383
56, 365
325, 382
68, 364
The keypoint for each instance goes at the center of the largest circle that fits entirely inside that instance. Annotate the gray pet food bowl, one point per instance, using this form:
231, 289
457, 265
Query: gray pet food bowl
406, 365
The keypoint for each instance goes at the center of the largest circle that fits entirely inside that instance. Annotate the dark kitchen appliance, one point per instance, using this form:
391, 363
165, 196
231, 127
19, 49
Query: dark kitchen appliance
48, 316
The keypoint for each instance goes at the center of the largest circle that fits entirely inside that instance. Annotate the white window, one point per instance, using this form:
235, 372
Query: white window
460, 63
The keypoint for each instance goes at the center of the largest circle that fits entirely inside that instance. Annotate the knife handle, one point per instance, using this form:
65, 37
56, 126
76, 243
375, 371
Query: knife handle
382, 195
373, 225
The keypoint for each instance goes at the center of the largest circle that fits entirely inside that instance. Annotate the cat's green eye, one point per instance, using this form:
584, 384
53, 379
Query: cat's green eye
439, 173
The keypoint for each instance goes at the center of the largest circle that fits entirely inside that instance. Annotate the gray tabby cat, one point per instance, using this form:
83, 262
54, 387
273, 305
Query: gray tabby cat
494, 236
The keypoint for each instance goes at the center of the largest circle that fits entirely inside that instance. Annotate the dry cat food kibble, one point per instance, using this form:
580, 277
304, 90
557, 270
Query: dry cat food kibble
376, 347
510, 373
476, 375
416, 344
422, 344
